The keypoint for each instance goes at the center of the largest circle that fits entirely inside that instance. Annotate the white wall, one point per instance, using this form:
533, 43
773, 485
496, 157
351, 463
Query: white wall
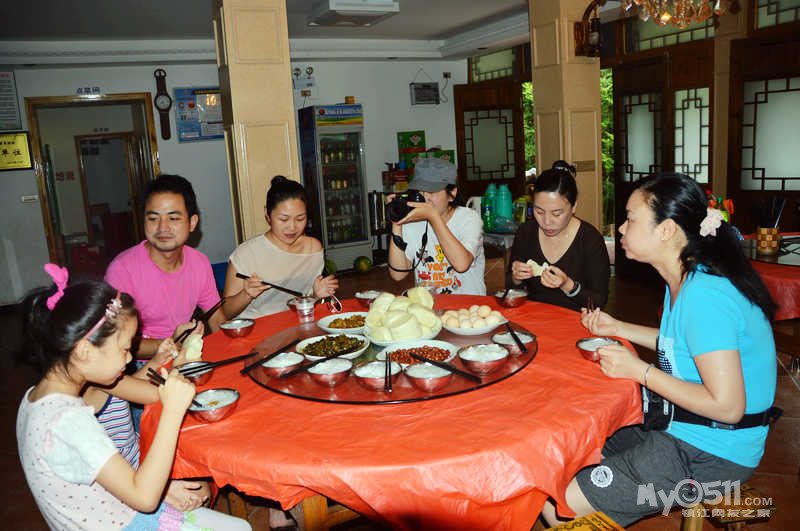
24, 248
382, 88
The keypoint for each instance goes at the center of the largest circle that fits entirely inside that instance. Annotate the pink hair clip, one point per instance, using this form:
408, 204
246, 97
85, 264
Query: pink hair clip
112, 310
60, 277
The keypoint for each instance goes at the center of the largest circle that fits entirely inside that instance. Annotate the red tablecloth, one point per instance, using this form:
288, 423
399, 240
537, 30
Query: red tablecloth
487, 459
783, 282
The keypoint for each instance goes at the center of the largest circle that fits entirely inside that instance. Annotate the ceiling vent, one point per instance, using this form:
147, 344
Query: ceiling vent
350, 13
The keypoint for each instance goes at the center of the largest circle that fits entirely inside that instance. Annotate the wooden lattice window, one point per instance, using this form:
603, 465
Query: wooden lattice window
692, 127
640, 135
770, 136
774, 12
646, 35
493, 131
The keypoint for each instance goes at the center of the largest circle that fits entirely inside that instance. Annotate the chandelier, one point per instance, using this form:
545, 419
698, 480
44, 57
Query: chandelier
679, 13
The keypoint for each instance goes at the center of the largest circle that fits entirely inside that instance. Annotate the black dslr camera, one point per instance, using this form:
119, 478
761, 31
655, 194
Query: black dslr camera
398, 207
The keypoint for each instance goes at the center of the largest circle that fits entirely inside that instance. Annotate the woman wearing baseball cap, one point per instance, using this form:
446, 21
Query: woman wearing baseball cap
440, 240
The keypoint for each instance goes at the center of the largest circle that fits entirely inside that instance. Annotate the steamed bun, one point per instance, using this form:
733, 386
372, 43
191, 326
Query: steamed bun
194, 347
421, 296
381, 333
382, 302
537, 269
423, 315
406, 329
399, 303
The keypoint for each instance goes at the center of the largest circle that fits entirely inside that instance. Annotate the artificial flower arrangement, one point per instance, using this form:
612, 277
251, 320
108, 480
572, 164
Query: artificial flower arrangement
725, 206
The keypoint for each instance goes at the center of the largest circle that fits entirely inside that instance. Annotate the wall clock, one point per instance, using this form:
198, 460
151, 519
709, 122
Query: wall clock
163, 102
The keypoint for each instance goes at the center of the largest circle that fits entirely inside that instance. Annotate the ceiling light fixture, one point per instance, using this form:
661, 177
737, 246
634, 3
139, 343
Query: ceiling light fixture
680, 13
351, 13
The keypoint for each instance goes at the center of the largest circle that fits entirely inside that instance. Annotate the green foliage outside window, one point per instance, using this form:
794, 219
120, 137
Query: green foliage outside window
607, 144
606, 140
528, 125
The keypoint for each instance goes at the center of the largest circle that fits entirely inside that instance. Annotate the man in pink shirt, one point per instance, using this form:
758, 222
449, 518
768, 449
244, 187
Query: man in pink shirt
167, 278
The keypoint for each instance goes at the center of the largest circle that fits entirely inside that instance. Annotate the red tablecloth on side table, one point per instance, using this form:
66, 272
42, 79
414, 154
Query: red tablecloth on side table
783, 282
486, 459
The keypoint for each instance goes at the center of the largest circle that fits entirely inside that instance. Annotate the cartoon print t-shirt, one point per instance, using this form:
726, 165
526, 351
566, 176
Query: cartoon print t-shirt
434, 271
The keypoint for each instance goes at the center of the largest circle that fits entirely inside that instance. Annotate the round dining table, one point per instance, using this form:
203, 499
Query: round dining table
484, 459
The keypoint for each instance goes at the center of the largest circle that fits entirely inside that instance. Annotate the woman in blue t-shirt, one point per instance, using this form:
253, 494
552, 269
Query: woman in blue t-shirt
716, 362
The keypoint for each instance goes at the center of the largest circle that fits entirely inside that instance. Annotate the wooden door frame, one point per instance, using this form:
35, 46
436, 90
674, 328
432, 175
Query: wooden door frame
32, 105
125, 136
515, 184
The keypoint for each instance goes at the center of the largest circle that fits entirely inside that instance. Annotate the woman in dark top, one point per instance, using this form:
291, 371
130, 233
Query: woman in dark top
575, 250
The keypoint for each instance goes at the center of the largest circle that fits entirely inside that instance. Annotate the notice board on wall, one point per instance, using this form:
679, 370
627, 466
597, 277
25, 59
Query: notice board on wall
9, 108
198, 114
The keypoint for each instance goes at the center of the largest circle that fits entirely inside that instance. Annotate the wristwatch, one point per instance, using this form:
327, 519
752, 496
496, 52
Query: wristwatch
163, 102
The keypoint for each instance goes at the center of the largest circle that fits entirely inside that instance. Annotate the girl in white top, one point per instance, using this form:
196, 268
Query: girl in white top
81, 335
284, 255
440, 240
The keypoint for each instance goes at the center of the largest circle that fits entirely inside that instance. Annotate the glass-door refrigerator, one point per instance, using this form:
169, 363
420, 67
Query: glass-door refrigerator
332, 148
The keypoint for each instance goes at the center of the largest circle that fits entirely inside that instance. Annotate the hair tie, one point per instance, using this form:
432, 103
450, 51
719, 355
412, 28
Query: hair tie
711, 222
112, 310
60, 277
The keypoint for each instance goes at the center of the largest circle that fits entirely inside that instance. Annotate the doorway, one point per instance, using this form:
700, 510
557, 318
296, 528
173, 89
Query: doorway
110, 183
93, 155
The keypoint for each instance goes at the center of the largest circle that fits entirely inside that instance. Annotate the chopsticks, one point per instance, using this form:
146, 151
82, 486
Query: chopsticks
264, 360
158, 380
279, 288
516, 339
589, 304
186, 371
387, 373
445, 366
183, 335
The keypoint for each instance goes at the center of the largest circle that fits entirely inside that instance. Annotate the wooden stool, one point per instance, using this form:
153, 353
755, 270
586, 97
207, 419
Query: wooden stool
750, 509
591, 522
317, 515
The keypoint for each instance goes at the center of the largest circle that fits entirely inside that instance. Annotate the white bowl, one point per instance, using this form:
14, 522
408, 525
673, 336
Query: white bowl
352, 355
416, 344
325, 323
388, 343
475, 331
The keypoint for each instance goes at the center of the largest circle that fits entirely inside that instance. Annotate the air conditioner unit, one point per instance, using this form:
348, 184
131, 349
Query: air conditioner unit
351, 12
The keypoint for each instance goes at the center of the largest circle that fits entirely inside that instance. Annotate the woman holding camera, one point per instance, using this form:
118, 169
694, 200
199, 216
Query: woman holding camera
716, 362
440, 240
578, 269
284, 255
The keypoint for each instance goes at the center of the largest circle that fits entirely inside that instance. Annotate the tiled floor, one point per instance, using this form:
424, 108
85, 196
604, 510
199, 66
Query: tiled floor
778, 476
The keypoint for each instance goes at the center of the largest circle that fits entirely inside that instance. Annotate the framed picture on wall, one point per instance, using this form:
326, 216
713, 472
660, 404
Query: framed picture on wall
15, 151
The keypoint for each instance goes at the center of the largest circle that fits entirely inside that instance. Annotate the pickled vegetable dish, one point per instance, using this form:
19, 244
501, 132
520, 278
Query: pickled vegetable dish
333, 346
